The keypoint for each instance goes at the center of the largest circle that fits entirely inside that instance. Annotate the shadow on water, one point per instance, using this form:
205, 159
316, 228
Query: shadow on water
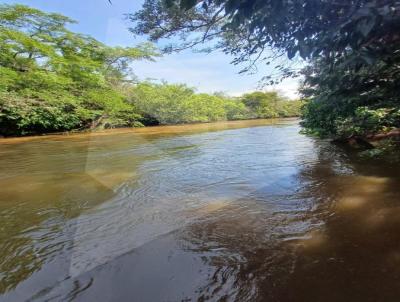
333, 237
253, 214
339, 242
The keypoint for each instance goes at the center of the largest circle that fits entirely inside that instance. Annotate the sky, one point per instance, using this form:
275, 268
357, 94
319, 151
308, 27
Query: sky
207, 72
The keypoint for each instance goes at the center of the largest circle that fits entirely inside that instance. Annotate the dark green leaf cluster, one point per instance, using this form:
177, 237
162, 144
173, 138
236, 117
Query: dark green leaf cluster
348, 96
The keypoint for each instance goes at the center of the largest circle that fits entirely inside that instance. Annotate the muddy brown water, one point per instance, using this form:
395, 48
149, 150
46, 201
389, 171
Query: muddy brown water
235, 211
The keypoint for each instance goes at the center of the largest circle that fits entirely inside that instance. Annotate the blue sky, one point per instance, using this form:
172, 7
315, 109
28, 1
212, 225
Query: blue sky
207, 72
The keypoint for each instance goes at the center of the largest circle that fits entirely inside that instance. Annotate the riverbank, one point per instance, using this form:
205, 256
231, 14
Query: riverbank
179, 128
374, 144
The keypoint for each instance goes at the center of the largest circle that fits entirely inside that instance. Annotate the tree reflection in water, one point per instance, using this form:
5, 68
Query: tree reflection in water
338, 241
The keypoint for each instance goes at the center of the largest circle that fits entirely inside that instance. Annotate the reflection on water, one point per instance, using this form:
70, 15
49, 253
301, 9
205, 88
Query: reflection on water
242, 211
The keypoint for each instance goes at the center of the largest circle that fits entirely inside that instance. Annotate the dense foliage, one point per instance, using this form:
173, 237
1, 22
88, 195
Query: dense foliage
352, 47
52, 79
348, 101
270, 105
174, 104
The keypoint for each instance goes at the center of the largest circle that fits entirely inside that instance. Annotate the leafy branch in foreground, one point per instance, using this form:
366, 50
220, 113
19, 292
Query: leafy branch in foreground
247, 28
352, 48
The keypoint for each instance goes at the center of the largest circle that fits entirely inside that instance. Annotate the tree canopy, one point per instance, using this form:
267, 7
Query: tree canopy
175, 104
52, 79
352, 50
245, 28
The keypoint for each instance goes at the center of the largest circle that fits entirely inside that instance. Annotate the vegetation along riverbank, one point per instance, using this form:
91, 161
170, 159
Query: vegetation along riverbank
350, 51
53, 80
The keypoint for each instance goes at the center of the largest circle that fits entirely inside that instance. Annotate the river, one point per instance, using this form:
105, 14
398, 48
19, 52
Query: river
230, 211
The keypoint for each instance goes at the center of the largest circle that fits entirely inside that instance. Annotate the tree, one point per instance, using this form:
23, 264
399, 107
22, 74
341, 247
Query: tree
262, 104
247, 28
352, 47
174, 104
52, 79
345, 102
270, 105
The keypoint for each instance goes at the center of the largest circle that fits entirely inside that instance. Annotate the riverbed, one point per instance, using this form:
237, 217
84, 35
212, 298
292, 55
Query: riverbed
229, 211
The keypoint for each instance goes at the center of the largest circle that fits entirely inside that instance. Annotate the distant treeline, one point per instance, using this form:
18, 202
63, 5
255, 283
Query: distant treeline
175, 104
52, 79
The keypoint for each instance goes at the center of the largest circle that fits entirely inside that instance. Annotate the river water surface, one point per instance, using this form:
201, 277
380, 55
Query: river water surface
235, 211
